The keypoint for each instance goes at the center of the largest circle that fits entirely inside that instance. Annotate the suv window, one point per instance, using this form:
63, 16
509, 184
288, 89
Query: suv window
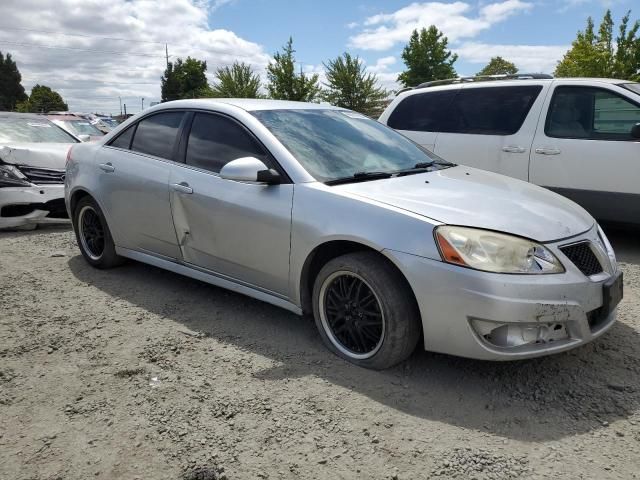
590, 113
479, 111
215, 140
423, 112
124, 139
156, 135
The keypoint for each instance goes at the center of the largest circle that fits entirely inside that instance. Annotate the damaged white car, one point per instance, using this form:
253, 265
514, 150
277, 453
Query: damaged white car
33, 152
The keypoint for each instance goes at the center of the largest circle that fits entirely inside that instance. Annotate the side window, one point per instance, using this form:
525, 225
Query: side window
590, 113
492, 110
215, 140
124, 139
423, 112
157, 135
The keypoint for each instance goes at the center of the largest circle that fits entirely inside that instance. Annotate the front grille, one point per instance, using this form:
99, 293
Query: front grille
583, 257
43, 176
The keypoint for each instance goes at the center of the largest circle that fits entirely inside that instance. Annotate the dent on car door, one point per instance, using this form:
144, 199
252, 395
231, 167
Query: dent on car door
584, 150
134, 177
235, 229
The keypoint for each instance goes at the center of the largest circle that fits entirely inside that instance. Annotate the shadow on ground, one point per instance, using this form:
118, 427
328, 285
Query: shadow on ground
541, 399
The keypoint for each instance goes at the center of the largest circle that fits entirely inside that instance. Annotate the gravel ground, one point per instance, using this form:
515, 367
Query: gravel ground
141, 373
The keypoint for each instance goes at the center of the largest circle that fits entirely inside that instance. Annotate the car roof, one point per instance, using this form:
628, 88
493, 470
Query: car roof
65, 117
32, 116
248, 104
509, 81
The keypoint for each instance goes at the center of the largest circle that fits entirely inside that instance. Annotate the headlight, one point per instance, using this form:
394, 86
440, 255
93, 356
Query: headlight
494, 252
10, 176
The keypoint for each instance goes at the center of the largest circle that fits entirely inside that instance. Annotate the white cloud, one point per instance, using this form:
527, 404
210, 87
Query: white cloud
93, 81
382, 64
456, 20
388, 79
528, 58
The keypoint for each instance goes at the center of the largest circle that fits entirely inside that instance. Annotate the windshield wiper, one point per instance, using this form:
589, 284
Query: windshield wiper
417, 168
359, 177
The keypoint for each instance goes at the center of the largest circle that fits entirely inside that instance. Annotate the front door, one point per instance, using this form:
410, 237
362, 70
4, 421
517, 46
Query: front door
583, 149
234, 229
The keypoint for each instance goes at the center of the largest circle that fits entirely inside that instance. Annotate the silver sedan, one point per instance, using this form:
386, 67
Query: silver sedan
321, 210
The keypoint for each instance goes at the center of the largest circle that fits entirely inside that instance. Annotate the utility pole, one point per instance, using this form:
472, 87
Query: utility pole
120, 98
142, 104
125, 111
166, 52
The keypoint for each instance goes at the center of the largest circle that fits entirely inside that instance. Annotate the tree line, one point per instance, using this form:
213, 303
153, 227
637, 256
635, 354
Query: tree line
348, 84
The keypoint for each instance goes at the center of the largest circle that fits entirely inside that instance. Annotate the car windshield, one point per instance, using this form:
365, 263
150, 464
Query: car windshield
634, 87
110, 122
332, 144
81, 127
32, 130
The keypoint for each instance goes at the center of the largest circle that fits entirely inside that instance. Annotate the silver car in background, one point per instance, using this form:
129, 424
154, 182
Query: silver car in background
33, 152
321, 210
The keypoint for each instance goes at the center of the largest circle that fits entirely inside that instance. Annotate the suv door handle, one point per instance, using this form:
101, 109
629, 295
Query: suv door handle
513, 149
548, 151
182, 187
107, 167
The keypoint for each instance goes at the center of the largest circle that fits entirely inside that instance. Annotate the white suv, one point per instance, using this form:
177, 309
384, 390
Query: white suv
577, 136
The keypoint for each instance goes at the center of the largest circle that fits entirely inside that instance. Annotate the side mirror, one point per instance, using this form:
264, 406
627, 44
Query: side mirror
249, 169
635, 131
84, 138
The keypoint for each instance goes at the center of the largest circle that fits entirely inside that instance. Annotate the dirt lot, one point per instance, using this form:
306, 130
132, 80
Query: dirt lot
141, 373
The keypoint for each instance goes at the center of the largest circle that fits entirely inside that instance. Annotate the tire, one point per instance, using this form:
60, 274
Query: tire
345, 294
88, 222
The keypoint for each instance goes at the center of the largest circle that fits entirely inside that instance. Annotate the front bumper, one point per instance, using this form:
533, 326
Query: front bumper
20, 206
461, 308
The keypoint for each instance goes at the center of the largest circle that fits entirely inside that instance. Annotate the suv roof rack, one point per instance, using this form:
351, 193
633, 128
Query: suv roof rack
482, 78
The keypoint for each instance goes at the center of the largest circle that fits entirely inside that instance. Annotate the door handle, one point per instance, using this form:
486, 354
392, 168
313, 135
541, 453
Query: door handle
182, 187
513, 149
107, 167
548, 151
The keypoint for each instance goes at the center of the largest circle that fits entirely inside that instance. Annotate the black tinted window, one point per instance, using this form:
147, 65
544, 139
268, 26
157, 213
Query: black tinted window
215, 140
156, 135
124, 139
482, 111
590, 113
424, 112
493, 111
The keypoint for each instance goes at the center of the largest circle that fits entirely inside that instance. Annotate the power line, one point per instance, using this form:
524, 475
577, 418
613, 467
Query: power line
37, 30
81, 49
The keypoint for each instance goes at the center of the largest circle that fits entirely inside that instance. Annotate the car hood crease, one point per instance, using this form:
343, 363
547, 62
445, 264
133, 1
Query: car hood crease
46, 155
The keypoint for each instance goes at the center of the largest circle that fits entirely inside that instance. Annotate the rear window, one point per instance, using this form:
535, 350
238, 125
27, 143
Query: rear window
157, 135
480, 111
32, 130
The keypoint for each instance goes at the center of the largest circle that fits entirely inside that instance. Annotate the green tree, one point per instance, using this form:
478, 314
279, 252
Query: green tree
350, 86
427, 58
600, 54
185, 79
42, 100
237, 81
11, 90
499, 66
284, 83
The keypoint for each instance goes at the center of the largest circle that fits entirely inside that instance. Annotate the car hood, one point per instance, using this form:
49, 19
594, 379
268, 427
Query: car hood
46, 155
476, 198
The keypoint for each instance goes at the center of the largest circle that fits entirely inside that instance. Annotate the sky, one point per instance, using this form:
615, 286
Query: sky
100, 53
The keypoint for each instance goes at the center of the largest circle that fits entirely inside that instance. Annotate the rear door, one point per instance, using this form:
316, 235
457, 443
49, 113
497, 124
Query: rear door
491, 127
583, 149
421, 116
235, 229
134, 175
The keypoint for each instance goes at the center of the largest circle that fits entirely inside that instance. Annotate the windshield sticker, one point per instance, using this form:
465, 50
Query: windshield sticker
42, 125
359, 116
